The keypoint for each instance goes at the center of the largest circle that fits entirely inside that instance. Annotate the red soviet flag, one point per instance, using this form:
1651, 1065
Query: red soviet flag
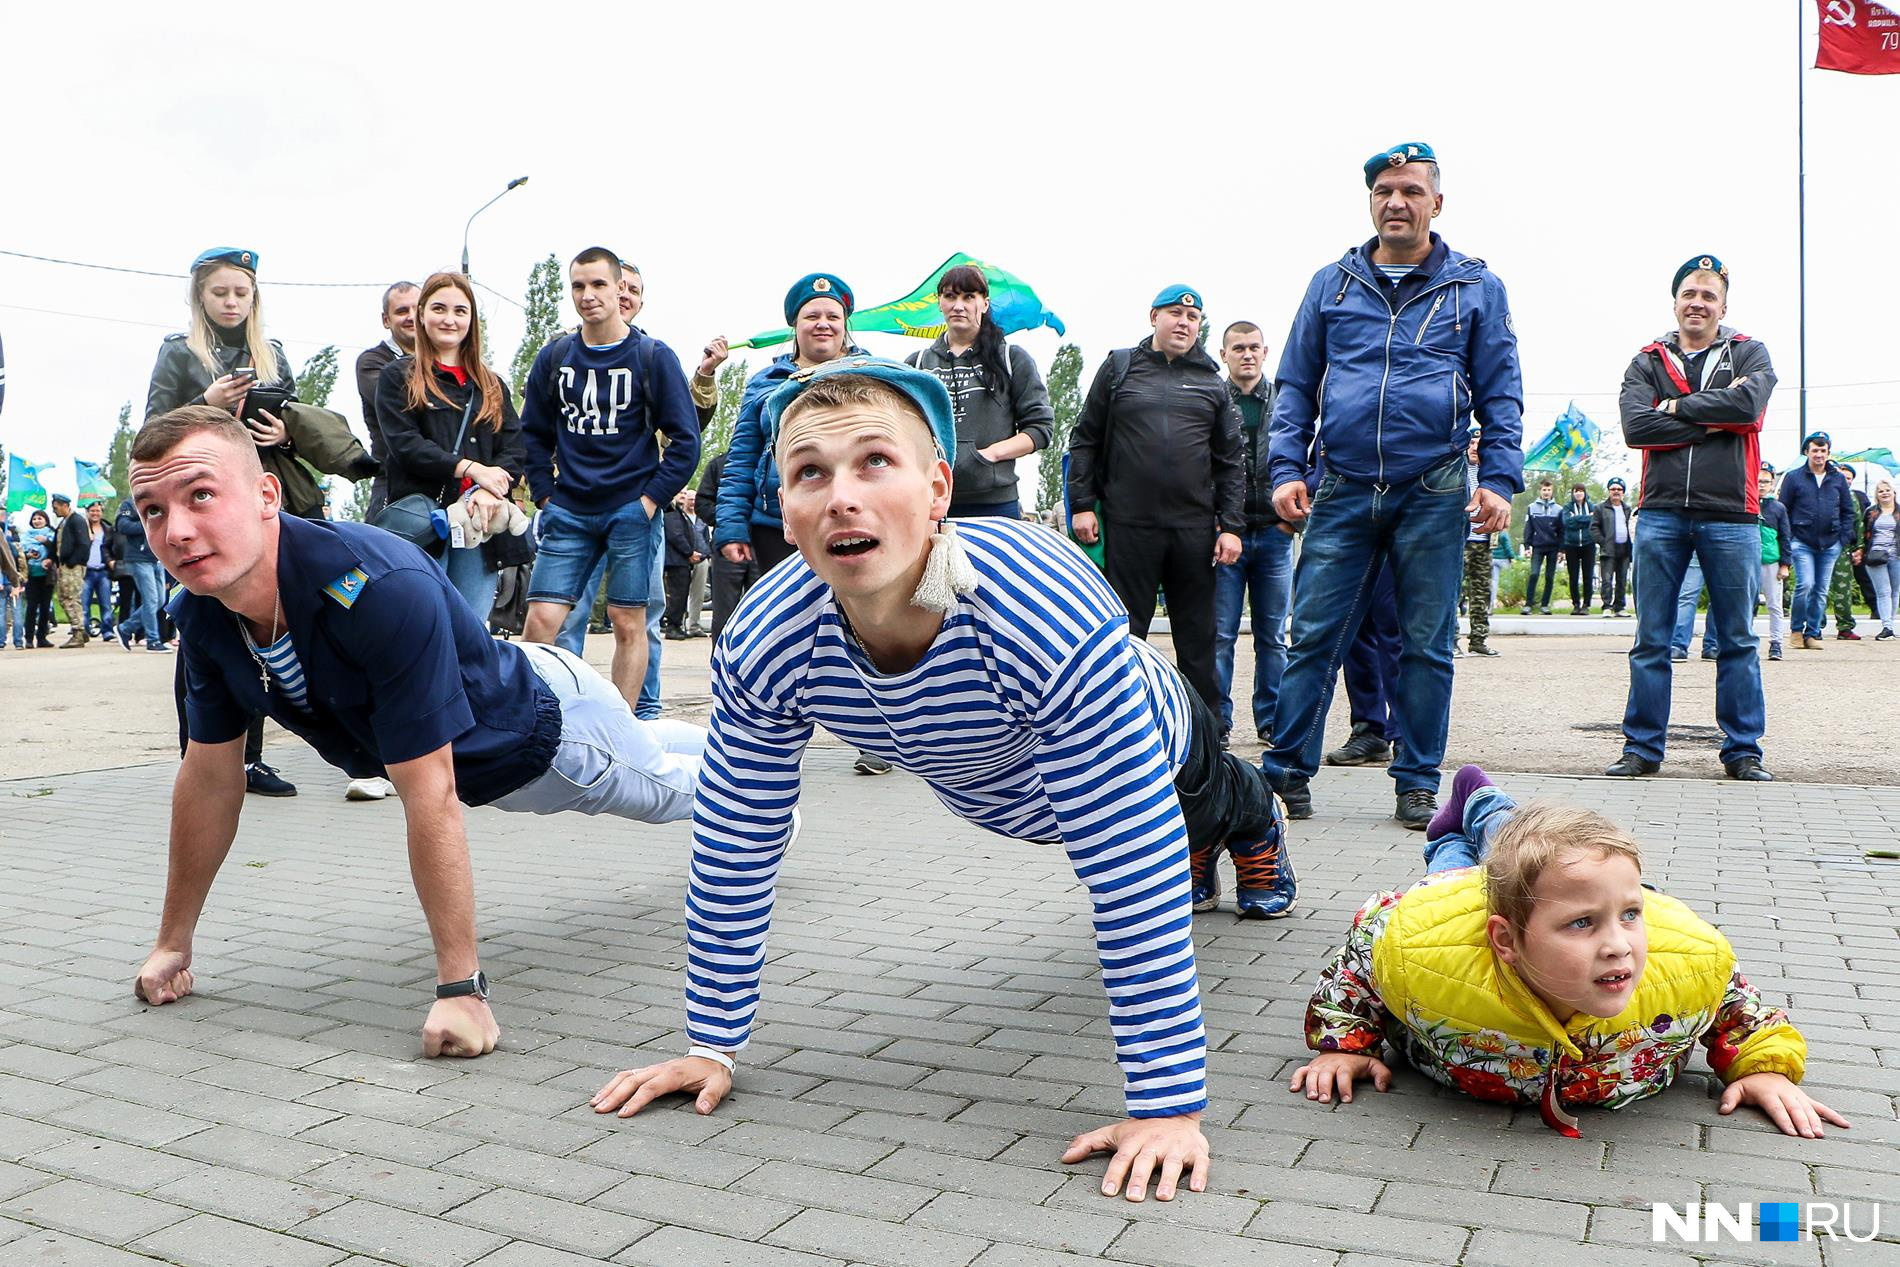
1859, 37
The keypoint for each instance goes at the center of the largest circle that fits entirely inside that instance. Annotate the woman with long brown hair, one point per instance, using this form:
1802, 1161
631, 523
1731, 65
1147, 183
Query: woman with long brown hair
425, 401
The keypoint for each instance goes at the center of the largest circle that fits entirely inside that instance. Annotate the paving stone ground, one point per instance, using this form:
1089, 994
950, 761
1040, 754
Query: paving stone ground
933, 1033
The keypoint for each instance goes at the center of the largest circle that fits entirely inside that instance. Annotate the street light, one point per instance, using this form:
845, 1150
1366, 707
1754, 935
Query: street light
519, 180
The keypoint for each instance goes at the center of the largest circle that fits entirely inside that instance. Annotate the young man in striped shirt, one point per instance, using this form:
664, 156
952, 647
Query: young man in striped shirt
990, 659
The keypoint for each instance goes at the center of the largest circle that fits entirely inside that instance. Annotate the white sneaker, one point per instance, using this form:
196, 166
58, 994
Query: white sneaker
368, 789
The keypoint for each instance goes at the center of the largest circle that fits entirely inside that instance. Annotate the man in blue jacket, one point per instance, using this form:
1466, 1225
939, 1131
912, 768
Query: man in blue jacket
596, 405
1408, 338
1821, 511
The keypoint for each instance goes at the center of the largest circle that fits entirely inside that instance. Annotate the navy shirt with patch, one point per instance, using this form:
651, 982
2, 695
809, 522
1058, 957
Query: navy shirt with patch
395, 666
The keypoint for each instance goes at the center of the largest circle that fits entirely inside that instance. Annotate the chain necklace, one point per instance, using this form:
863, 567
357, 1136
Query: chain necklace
263, 669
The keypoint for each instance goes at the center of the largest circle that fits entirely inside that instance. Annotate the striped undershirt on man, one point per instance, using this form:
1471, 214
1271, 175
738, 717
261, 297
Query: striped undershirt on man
1034, 714
286, 670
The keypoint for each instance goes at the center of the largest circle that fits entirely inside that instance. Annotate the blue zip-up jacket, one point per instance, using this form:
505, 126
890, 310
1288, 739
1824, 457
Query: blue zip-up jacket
1384, 382
1819, 515
748, 487
599, 413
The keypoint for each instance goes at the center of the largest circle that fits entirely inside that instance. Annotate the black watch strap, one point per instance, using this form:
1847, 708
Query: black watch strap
476, 985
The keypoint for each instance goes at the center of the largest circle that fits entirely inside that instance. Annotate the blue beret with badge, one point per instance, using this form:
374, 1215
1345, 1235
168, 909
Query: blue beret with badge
924, 389
817, 286
1186, 296
1700, 264
1398, 156
236, 256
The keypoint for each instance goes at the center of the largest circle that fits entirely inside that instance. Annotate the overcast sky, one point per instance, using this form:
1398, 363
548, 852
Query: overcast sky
1099, 152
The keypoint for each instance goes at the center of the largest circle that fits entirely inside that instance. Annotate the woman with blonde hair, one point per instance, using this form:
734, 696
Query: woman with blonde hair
450, 430
1880, 552
218, 361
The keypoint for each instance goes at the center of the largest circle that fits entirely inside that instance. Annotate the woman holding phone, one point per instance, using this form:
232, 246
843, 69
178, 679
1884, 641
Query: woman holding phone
218, 361
449, 427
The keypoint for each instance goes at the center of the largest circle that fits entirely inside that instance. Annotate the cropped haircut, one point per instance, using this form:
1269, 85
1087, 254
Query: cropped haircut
1238, 327
1541, 836
395, 288
161, 434
853, 391
598, 255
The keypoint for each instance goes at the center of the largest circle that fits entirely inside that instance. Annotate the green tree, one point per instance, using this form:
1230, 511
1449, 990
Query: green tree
1065, 397
542, 322
716, 437
318, 377
119, 459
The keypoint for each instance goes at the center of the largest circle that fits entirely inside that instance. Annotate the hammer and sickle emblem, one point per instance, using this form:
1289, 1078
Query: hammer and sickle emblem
1840, 13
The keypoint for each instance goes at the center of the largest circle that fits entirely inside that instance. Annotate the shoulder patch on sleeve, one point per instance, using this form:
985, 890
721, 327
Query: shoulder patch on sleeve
346, 589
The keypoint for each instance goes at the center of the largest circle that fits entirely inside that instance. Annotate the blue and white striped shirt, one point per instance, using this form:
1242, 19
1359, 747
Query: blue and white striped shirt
1033, 714
286, 670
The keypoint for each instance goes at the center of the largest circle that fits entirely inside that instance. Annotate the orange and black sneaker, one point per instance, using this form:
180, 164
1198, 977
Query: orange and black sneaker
1264, 884
1204, 876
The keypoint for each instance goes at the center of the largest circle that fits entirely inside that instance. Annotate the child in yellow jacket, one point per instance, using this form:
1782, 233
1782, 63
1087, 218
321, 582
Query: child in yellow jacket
1531, 965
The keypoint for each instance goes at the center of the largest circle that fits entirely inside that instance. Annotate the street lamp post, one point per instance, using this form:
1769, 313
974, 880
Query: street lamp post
519, 180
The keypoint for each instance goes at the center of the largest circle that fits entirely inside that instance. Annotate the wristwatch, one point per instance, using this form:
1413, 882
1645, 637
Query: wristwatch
476, 985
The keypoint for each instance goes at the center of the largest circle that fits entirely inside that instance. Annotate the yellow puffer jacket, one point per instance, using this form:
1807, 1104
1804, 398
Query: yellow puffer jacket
1418, 972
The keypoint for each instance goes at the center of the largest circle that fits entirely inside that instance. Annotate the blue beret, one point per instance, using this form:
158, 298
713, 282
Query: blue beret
1813, 437
1398, 156
817, 286
1616, 481
1699, 264
226, 255
1186, 296
925, 390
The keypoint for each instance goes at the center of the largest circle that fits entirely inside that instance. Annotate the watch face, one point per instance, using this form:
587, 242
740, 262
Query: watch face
481, 985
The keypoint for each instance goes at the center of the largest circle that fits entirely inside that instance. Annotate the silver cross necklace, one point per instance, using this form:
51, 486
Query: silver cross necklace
263, 669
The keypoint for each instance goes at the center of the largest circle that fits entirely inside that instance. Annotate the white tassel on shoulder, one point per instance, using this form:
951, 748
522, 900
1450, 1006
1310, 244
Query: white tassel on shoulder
947, 572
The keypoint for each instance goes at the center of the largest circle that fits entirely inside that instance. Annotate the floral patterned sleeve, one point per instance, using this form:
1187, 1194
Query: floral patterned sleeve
1749, 1036
1346, 1013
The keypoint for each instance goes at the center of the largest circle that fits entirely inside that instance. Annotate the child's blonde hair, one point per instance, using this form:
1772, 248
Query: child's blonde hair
1538, 837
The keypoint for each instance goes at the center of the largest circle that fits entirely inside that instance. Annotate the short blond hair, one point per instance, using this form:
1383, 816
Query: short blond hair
1538, 837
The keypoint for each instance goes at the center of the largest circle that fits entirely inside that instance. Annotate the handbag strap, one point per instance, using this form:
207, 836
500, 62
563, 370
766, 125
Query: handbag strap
455, 450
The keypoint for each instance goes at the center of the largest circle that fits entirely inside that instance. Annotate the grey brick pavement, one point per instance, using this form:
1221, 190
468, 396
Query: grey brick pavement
932, 1034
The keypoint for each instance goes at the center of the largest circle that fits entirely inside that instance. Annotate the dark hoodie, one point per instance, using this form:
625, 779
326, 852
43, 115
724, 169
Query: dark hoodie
1161, 449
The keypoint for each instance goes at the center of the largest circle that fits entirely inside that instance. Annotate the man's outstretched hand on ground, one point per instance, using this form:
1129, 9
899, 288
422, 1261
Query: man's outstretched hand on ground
460, 1027
631, 1090
165, 978
1140, 1144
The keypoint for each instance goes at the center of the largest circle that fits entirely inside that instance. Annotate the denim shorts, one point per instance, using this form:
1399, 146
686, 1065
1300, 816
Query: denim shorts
571, 546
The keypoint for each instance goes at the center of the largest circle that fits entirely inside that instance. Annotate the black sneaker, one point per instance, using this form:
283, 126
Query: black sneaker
1415, 808
1708, 652
264, 781
1364, 748
870, 764
1883, 635
1297, 796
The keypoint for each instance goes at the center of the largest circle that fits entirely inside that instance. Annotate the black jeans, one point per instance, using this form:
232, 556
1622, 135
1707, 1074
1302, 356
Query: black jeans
1581, 562
730, 581
1221, 796
678, 581
1140, 560
39, 609
1541, 557
1613, 563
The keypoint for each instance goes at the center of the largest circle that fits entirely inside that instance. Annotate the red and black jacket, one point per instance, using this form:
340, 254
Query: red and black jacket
1703, 460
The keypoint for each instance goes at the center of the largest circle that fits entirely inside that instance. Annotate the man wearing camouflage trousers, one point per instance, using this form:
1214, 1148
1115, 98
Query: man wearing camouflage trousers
1478, 596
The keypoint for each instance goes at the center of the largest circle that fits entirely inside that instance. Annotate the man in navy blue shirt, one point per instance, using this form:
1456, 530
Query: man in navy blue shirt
596, 406
354, 640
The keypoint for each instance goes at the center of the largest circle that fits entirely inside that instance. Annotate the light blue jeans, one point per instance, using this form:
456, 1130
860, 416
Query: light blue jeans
1486, 810
1813, 573
472, 578
608, 762
1886, 579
